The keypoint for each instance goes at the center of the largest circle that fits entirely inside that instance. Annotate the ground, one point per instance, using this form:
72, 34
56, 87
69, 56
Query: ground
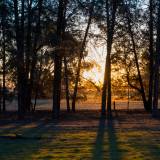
83, 135
91, 104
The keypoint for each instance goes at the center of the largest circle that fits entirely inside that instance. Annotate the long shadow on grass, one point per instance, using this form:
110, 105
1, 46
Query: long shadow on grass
146, 146
113, 150
98, 152
28, 142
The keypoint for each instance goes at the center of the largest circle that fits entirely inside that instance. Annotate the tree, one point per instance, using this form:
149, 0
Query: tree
111, 16
0, 98
3, 26
140, 89
66, 84
58, 58
34, 49
82, 49
26, 43
156, 67
19, 29
151, 51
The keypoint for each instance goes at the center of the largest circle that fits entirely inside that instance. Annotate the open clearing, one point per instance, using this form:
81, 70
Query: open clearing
90, 104
133, 135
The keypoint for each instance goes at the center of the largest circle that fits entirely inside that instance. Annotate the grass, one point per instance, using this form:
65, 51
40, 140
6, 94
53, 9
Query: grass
83, 136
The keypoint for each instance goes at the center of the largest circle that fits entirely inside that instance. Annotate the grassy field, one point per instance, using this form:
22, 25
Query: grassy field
130, 135
90, 104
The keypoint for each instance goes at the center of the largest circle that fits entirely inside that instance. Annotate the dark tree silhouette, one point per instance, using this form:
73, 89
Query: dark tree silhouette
58, 58
82, 49
3, 24
151, 51
107, 75
156, 68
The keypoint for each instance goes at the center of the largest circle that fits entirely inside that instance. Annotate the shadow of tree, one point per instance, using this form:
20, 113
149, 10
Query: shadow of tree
113, 150
98, 152
28, 140
145, 144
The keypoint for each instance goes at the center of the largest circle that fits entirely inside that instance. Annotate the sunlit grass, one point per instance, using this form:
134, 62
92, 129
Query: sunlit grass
103, 140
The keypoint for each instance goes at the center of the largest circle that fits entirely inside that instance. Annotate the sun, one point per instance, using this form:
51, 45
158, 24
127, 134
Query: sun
95, 75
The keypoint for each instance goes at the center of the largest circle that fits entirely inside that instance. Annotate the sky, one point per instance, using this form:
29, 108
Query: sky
98, 53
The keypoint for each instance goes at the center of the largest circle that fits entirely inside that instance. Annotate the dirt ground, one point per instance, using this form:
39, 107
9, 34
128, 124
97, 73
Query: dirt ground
83, 135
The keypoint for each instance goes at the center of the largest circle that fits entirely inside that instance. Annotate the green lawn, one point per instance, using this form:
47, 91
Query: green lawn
127, 137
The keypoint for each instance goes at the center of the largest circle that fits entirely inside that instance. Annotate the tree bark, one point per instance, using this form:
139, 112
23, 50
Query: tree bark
106, 90
80, 59
58, 59
142, 91
150, 93
34, 57
66, 84
4, 74
3, 58
0, 97
20, 60
28, 55
156, 68
37, 85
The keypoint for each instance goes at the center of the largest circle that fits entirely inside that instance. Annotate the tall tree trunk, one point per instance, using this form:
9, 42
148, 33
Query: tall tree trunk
57, 85
151, 55
156, 69
3, 57
20, 59
28, 41
28, 54
24, 78
104, 94
65, 62
141, 90
0, 97
37, 84
138, 70
106, 90
80, 59
4, 73
34, 57
58, 59
66, 84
